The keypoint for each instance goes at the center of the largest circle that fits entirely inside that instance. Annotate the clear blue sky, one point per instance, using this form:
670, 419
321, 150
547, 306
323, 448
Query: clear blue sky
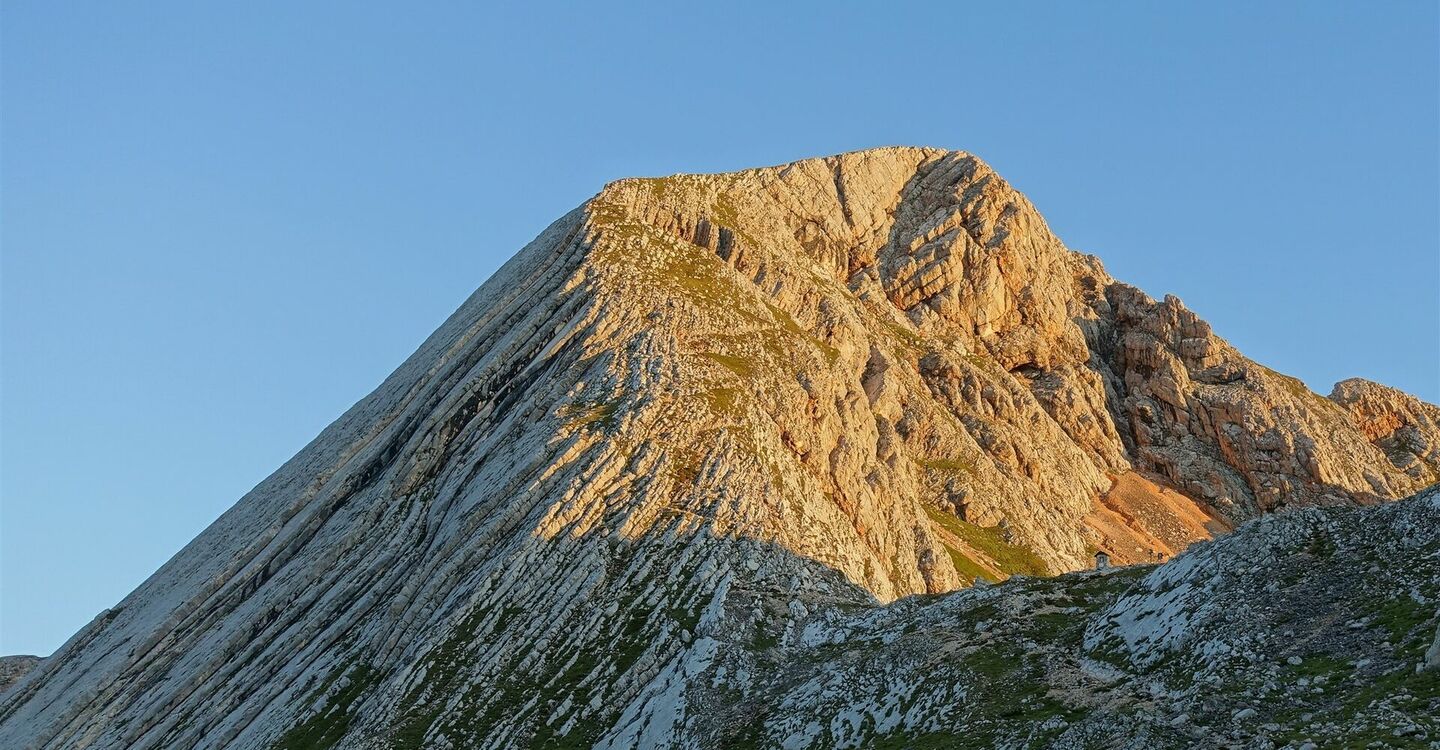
224, 225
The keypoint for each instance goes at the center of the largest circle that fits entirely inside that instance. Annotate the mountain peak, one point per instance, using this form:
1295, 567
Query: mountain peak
902, 156
690, 414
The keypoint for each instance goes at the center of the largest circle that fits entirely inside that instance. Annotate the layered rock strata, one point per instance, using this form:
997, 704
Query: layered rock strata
845, 380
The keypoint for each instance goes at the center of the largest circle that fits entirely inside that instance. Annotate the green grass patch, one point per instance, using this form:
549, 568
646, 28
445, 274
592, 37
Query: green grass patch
1401, 616
722, 400
1325, 666
763, 639
1297, 388
1010, 687
969, 570
724, 213
910, 339
1056, 627
587, 413
328, 726
738, 365
788, 323
977, 739
1405, 691
658, 186
1011, 559
700, 275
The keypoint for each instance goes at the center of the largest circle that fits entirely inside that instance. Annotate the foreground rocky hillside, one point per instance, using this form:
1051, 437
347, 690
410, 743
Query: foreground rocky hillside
845, 380
1313, 627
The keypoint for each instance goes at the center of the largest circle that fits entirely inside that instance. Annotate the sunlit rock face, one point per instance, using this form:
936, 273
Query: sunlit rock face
693, 414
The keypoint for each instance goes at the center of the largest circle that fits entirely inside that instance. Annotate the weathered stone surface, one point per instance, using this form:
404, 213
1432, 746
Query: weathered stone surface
1432, 654
840, 380
12, 668
1264, 632
1405, 428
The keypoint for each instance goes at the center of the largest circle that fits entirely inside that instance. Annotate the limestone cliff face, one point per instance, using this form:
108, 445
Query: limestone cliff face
1004, 377
877, 373
1402, 426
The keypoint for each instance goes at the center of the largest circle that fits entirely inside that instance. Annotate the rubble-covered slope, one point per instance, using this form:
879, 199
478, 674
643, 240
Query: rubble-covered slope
1313, 626
875, 373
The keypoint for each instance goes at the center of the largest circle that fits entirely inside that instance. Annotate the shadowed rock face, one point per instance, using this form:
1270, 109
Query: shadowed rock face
837, 382
1314, 625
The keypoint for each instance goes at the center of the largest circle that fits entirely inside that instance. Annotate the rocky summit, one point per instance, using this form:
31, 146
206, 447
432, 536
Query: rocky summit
801, 457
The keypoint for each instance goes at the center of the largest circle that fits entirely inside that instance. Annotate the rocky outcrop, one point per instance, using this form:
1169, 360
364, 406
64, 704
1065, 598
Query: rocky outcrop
1303, 627
874, 375
1405, 428
12, 668
1234, 434
1432, 654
